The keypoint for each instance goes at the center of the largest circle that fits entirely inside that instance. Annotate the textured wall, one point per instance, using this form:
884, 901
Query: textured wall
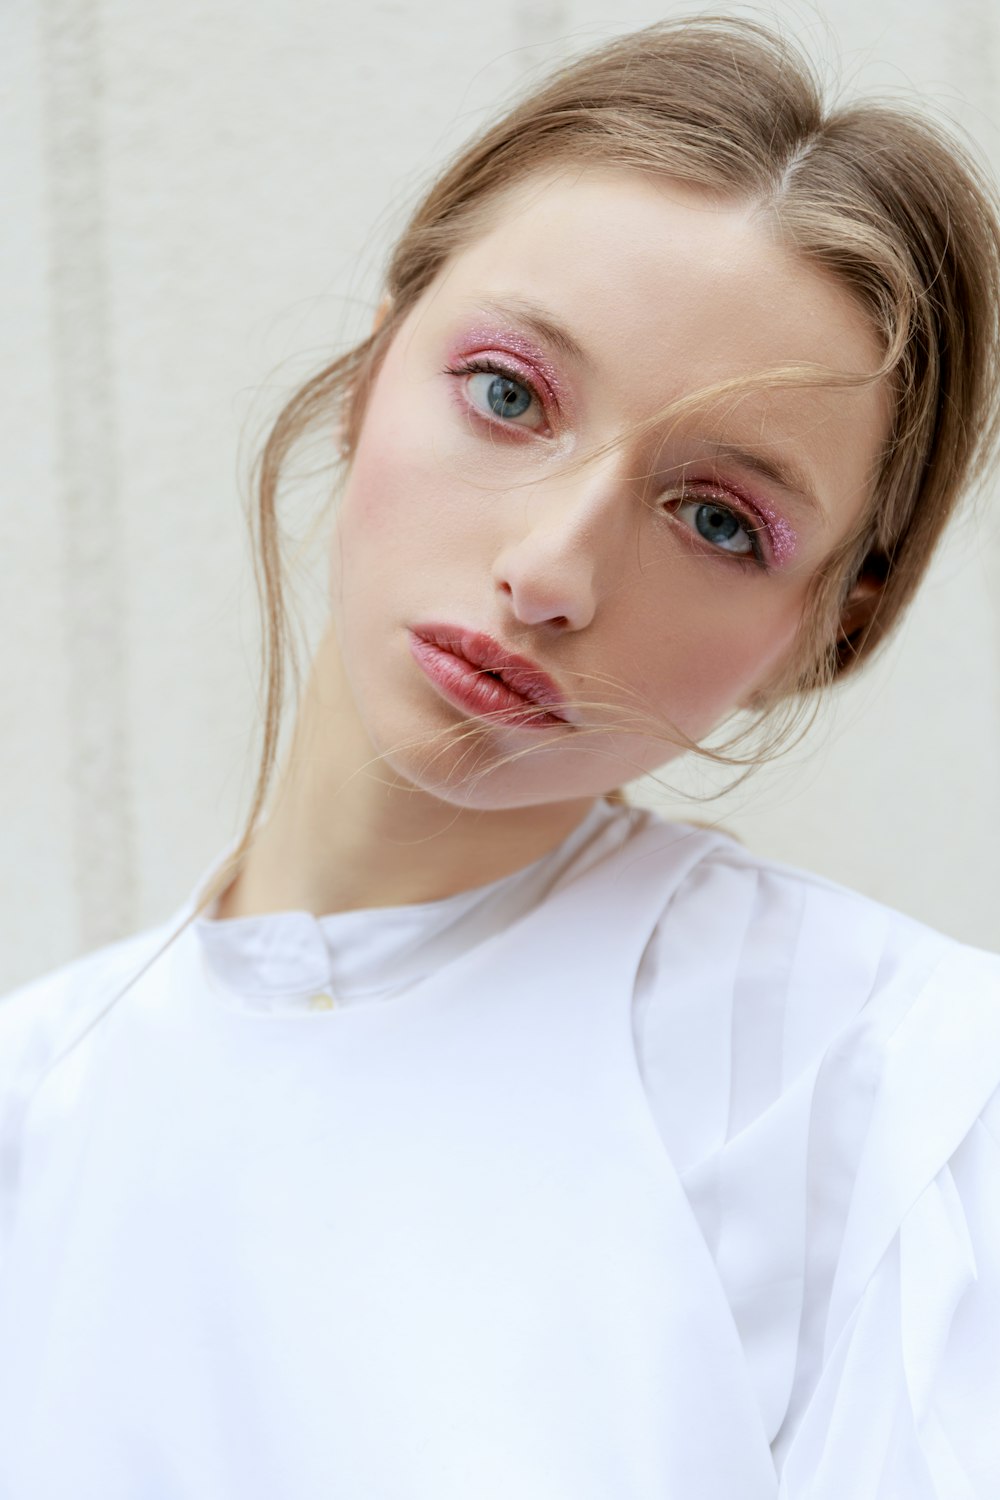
196, 197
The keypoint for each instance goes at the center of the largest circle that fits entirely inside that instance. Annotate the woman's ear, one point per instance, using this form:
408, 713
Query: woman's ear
861, 605
856, 616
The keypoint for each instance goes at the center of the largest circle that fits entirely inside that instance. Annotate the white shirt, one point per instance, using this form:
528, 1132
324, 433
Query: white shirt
822, 1072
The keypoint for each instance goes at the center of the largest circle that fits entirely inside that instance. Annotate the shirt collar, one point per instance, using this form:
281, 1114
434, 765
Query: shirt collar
279, 958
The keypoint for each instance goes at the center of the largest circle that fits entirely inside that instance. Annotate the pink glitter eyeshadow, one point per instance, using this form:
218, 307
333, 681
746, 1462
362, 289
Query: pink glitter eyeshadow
782, 538
508, 340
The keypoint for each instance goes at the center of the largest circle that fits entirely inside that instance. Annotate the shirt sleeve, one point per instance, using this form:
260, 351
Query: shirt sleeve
906, 1397
825, 1074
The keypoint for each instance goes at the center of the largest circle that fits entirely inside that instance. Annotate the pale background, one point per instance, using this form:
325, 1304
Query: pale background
195, 199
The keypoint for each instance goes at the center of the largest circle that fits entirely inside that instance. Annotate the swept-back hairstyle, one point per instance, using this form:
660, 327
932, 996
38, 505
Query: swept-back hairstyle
879, 196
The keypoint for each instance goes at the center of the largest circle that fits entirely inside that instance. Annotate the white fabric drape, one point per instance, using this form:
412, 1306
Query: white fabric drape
820, 1074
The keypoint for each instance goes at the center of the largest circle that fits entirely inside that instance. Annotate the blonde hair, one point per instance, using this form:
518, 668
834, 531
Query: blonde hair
883, 199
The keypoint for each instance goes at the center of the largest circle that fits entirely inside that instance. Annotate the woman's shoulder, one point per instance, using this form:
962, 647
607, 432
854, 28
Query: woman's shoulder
38, 1016
838, 1064
915, 1010
808, 996
791, 978
774, 916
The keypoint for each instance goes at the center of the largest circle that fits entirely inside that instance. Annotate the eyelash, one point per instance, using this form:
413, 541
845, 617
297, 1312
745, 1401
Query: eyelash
755, 558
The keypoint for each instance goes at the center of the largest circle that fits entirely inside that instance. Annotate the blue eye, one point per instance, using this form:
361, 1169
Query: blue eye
720, 526
505, 397
500, 397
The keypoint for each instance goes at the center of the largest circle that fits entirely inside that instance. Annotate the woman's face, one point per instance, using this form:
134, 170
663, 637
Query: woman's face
659, 583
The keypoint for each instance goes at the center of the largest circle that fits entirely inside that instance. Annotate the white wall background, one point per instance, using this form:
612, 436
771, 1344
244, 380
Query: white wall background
195, 197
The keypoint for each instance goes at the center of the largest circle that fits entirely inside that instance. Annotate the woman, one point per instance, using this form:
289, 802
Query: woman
469, 1131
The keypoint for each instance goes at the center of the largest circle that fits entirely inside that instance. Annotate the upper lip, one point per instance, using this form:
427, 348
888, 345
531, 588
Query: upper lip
520, 673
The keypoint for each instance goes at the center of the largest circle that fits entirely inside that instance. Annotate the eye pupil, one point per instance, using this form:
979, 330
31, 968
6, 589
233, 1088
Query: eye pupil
507, 398
716, 525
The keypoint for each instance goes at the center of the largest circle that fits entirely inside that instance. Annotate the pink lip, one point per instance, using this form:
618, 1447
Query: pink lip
460, 663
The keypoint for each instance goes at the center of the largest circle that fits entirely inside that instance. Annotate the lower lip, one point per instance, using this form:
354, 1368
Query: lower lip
472, 689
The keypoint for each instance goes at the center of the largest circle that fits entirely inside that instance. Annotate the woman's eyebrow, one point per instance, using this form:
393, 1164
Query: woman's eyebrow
541, 323
782, 472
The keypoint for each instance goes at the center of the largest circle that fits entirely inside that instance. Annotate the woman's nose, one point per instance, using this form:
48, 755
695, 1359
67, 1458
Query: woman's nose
551, 569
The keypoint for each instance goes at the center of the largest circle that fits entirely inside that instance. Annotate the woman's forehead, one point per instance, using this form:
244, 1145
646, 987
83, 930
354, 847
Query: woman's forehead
645, 291
648, 268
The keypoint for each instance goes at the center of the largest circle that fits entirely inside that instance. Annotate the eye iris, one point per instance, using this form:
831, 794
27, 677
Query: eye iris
716, 525
507, 398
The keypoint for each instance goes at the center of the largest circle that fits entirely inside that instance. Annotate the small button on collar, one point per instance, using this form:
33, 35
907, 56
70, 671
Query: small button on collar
322, 1001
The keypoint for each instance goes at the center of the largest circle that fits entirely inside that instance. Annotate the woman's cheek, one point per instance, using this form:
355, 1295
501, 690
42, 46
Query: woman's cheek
400, 478
713, 661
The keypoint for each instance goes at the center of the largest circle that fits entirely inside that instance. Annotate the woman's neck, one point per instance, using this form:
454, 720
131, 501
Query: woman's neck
345, 833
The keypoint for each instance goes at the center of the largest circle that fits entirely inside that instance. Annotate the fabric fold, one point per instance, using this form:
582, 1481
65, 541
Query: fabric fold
906, 1403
